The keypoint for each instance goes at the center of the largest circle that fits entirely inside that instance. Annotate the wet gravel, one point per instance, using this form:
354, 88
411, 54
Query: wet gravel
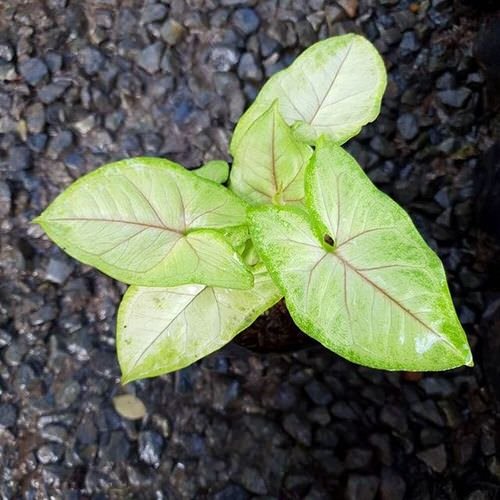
84, 83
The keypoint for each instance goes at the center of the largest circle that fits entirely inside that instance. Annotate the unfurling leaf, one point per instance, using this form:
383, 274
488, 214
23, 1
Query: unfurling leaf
333, 88
269, 164
149, 221
215, 170
356, 274
160, 330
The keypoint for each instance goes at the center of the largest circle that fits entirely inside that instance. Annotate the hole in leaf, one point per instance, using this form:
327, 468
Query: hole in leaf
328, 240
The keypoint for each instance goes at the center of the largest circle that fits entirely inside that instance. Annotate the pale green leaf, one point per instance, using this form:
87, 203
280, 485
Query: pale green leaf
333, 88
160, 330
215, 170
377, 297
148, 221
269, 164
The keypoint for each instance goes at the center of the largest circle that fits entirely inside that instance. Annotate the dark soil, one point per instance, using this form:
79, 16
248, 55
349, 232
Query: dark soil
84, 83
274, 332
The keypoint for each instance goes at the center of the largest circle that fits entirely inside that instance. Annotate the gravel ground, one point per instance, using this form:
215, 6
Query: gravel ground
86, 82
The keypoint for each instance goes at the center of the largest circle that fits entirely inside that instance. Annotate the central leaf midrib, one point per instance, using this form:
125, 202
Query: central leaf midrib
334, 79
118, 221
346, 263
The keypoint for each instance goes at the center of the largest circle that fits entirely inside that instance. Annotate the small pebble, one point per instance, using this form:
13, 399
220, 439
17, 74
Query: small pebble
153, 12
435, 458
129, 406
33, 70
150, 447
149, 58
245, 20
172, 32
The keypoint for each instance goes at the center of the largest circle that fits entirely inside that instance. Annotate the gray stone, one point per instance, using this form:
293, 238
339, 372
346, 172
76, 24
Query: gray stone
7, 72
223, 58
253, 481
6, 52
19, 158
382, 146
57, 144
382, 444
248, 69
150, 447
58, 271
284, 397
37, 142
51, 92
33, 70
342, 410
117, 448
443, 197
298, 428
404, 19
427, 410
114, 120
67, 394
54, 61
319, 393
437, 386
153, 12
350, 7
54, 432
315, 20
245, 20
446, 81
409, 43
231, 492
358, 458
5, 199
361, 487
14, 353
394, 417
435, 458
454, 98
35, 118
85, 124
91, 60
407, 126
50, 453
319, 415
8, 415
149, 58
172, 32
86, 432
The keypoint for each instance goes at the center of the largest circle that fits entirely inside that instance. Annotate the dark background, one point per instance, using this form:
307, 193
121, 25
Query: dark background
86, 82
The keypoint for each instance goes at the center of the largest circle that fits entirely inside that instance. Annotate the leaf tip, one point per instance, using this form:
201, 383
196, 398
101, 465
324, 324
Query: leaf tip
469, 360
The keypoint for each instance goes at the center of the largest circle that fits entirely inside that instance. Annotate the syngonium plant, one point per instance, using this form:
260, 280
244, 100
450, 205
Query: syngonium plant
299, 219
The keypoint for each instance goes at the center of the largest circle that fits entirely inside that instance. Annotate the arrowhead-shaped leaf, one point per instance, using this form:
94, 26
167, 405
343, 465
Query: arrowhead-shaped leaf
160, 330
148, 221
378, 296
269, 164
333, 88
215, 170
